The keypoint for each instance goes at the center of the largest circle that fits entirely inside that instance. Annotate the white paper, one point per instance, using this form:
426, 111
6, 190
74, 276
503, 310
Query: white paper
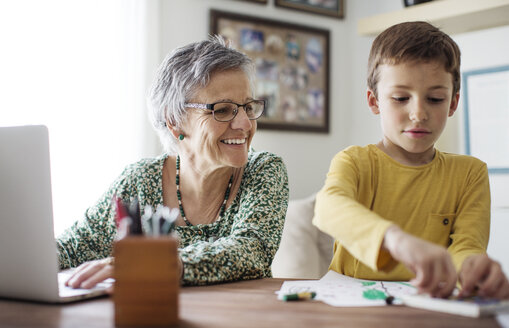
503, 320
338, 290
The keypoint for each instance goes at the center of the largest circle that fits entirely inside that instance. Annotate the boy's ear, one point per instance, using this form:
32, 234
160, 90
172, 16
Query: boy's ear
373, 102
454, 104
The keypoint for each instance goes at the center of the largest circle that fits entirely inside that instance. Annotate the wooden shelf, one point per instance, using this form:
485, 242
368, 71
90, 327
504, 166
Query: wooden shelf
452, 16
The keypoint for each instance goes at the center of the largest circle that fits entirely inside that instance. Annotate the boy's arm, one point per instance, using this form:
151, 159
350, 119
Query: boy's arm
339, 214
470, 239
377, 242
471, 228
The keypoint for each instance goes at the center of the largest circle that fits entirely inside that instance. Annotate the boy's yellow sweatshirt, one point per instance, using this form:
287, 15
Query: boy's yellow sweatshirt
446, 201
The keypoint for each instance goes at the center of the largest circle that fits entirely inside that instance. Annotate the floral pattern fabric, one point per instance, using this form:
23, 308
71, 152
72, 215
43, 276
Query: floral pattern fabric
238, 246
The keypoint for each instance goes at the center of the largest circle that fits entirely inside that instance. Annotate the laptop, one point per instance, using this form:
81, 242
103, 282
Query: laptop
28, 252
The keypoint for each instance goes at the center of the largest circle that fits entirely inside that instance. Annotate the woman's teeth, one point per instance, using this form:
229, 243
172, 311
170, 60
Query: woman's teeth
234, 141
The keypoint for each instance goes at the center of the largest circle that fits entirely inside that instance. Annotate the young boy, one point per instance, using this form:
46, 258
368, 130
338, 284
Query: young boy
401, 209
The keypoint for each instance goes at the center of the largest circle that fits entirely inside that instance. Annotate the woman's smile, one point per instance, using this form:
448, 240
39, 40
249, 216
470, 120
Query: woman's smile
237, 141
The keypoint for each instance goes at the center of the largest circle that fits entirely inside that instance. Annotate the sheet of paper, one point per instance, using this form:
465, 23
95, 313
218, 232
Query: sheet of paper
503, 320
338, 290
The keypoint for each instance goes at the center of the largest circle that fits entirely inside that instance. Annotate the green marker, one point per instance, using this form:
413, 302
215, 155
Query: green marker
299, 296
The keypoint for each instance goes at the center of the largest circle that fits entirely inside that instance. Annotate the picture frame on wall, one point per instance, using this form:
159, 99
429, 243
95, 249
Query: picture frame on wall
262, 2
331, 8
486, 106
292, 68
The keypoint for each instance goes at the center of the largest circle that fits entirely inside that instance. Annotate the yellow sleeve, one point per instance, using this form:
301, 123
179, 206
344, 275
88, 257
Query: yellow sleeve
339, 213
471, 230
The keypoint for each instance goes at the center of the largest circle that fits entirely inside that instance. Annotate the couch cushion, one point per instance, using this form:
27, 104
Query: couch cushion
305, 252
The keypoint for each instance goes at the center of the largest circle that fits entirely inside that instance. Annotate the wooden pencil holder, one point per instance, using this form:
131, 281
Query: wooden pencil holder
147, 279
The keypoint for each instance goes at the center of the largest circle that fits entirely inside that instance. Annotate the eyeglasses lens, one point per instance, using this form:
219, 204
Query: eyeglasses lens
254, 109
224, 111
227, 111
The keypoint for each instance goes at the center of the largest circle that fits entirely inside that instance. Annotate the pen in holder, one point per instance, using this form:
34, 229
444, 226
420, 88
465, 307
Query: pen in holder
146, 281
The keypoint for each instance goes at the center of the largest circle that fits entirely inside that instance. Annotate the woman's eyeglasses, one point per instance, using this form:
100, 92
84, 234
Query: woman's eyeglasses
225, 111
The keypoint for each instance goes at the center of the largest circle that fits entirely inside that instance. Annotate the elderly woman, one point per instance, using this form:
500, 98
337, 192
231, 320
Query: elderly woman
232, 200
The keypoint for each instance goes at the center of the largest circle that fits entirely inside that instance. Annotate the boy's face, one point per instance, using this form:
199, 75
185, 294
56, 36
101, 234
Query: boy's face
414, 101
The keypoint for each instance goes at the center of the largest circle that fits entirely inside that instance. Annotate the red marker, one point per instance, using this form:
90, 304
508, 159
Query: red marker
121, 210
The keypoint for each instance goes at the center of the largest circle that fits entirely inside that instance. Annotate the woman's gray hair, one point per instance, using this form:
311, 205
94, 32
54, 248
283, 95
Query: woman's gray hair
183, 72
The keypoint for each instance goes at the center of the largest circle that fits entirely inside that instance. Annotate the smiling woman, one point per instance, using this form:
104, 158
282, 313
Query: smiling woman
232, 200
207, 132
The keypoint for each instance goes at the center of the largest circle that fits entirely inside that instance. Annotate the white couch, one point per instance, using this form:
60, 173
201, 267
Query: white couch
305, 252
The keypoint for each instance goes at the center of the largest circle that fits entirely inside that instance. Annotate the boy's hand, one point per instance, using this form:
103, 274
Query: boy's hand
434, 271
484, 274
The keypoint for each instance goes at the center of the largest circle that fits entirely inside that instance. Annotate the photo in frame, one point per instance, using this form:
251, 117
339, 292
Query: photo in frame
332, 8
486, 103
292, 69
262, 2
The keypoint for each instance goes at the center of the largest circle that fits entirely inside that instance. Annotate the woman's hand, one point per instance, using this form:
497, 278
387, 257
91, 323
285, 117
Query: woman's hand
484, 275
434, 271
91, 273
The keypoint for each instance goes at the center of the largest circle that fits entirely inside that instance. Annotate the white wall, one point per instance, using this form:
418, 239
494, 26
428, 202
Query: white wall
485, 49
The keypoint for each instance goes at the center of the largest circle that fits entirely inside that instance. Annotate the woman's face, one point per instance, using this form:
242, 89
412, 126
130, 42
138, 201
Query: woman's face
210, 143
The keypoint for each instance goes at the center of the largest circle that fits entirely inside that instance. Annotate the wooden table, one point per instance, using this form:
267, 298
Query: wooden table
240, 304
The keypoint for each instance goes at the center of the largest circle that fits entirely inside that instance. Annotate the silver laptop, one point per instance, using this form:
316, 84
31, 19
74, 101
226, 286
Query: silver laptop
28, 253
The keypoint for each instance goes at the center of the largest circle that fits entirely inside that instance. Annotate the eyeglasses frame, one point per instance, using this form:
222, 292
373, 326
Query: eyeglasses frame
211, 108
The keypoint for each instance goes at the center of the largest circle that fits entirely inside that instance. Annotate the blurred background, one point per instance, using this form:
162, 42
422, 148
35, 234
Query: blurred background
83, 67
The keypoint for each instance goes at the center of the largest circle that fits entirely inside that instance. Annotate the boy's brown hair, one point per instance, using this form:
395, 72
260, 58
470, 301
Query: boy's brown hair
413, 41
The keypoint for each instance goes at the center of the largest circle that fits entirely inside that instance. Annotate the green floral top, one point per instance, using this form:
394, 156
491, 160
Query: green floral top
240, 245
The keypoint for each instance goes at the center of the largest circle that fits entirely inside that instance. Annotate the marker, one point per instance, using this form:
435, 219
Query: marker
146, 220
156, 218
134, 212
120, 210
123, 228
169, 218
299, 296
